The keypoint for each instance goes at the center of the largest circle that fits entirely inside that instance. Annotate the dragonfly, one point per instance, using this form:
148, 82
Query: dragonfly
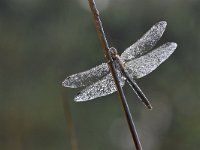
135, 62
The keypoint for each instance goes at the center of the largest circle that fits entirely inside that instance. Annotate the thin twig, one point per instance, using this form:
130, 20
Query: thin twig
105, 46
70, 125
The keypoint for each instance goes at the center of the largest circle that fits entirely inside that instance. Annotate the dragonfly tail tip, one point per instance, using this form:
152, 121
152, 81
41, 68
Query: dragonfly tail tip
149, 107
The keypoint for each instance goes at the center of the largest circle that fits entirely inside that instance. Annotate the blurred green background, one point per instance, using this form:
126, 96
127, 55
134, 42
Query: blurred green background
43, 41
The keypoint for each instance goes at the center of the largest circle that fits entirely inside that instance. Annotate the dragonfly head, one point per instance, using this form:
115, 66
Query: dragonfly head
113, 52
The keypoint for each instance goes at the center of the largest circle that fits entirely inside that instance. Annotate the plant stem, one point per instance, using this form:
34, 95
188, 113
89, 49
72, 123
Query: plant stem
70, 127
105, 46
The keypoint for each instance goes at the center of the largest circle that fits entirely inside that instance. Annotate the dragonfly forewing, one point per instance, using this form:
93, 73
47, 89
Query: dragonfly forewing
145, 43
145, 64
87, 77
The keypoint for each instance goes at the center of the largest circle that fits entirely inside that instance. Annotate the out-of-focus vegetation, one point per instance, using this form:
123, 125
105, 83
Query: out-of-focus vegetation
43, 41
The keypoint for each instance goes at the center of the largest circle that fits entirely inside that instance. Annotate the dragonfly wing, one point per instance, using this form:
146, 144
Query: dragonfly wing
103, 87
147, 42
145, 64
87, 77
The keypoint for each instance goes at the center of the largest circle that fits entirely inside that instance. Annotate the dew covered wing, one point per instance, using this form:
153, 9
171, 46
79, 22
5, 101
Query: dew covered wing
87, 77
144, 65
103, 87
145, 43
